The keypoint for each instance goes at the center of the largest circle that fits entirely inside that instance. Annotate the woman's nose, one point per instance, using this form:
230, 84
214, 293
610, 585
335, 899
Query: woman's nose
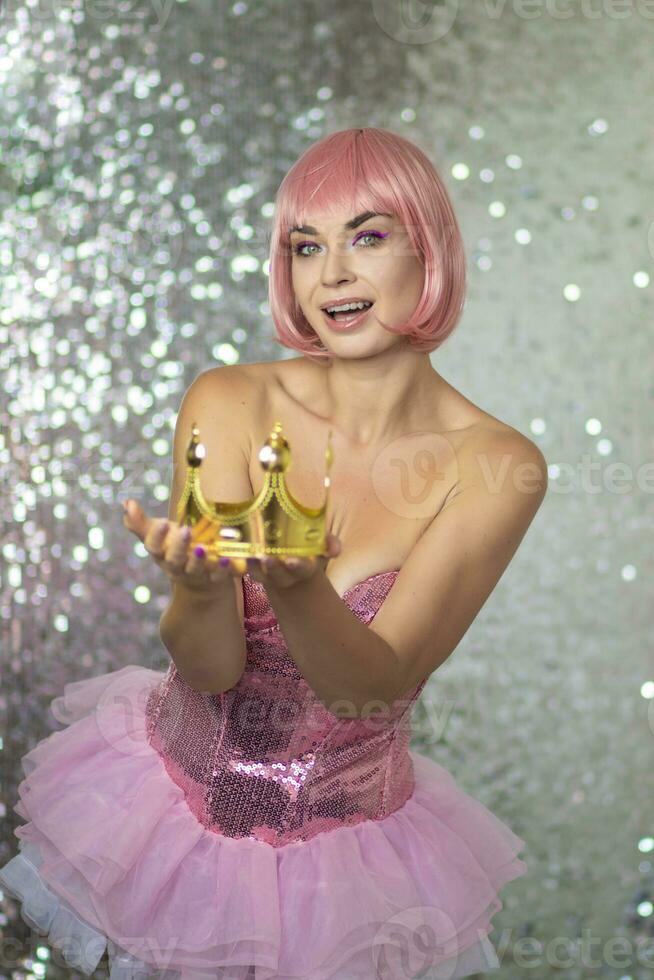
336, 268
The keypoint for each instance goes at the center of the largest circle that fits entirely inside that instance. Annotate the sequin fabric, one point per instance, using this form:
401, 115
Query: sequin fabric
266, 759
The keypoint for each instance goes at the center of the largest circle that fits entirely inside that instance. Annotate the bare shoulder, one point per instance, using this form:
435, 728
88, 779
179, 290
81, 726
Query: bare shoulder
239, 389
257, 383
495, 436
263, 374
240, 379
502, 460
214, 403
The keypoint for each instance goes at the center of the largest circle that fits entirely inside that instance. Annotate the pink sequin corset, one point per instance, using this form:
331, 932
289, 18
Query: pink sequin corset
267, 759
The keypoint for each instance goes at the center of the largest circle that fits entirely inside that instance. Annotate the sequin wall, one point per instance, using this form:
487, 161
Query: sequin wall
142, 145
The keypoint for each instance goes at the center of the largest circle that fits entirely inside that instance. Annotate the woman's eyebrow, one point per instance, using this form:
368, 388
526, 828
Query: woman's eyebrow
353, 223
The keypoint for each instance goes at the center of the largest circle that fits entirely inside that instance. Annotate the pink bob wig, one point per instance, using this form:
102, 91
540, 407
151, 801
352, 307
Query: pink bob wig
371, 169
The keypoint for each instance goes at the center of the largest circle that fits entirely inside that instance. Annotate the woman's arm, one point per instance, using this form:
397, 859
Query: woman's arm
443, 584
347, 664
205, 638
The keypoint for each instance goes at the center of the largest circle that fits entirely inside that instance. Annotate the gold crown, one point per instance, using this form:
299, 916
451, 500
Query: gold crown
270, 523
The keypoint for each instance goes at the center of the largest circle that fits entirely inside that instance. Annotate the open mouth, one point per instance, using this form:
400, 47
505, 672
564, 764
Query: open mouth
348, 316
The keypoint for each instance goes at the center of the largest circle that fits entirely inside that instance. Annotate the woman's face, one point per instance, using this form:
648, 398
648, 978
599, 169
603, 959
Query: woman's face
364, 256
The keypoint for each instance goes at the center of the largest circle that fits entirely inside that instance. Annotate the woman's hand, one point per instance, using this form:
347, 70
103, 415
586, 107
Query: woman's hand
282, 573
169, 545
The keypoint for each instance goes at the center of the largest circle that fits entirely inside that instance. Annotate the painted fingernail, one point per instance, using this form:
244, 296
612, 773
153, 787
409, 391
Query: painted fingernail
164, 526
224, 561
186, 534
199, 551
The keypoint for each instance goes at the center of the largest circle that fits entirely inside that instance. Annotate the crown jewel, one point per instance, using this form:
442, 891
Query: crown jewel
272, 522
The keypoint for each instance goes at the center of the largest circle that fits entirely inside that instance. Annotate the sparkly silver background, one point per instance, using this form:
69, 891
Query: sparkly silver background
142, 145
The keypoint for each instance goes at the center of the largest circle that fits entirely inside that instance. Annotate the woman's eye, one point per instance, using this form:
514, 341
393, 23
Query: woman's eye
374, 235
298, 249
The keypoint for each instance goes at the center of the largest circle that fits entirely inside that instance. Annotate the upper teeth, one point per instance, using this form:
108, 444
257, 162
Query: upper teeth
349, 306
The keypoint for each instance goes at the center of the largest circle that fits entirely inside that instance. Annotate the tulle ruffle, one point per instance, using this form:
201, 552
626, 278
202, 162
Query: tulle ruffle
112, 856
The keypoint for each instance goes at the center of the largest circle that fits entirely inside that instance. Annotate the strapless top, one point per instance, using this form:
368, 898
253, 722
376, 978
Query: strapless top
267, 759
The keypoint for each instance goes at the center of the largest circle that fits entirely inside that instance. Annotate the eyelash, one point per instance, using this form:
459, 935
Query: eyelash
377, 235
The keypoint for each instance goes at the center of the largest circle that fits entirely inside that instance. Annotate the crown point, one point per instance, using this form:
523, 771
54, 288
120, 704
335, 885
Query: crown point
195, 451
277, 523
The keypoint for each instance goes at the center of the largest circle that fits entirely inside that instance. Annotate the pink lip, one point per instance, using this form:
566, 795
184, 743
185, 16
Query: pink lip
345, 326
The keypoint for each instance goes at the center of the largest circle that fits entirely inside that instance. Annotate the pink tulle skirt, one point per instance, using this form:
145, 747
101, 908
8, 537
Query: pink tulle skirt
111, 858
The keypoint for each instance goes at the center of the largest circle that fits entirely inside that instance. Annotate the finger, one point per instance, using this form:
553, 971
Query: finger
301, 568
177, 545
155, 539
136, 520
198, 561
236, 567
219, 570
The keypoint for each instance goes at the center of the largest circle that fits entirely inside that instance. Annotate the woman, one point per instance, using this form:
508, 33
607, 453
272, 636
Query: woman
196, 839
